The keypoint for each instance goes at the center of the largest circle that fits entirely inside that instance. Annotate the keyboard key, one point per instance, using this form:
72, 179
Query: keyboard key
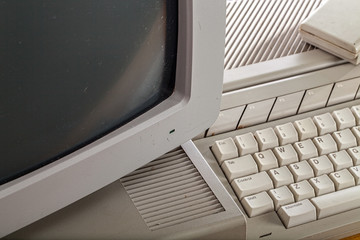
257, 204
297, 213
325, 123
226, 121
337, 202
306, 149
356, 111
266, 138
340, 160
344, 118
321, 165
281, 196
342, 179
355, 171
302, 190
344, 139
281, 176
325, 144
256, 113
301, 171
286, 155
286, 133
322, 185
266, 160
306, 128
344, 91
356, 132
239, 167
252, 184
246, 143
315, 98
286, 105
224, 149
354, 154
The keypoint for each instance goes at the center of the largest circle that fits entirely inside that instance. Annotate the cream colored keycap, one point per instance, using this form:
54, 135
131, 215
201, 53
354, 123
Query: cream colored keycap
306, 128
302, 190
342, 179
355, 171
356, 111
226, 121
281, 176
322, 185
257, 204
301, 171
266, 160
281, 196
252, 184
286, 154
315, 98
321, 165
325, 144
306, 149
286, 133
344, 118
239, 167
297, 213
356, 131
337, 202
325, 123
266, 138
246, 144
224, 149
256, 113
355, 155
344, 139
343, 91
340, 160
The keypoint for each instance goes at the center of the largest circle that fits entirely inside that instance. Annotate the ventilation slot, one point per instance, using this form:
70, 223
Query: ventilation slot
169, 191
261, 30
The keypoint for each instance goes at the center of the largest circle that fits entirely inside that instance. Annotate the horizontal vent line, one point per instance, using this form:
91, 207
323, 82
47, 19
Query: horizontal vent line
182, 214
173, 208
143, 203
165, 183
168, 159
168, 187
157, 176
151, 167
166, 203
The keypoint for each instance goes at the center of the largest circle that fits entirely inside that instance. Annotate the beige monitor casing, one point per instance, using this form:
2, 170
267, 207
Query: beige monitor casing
191, 109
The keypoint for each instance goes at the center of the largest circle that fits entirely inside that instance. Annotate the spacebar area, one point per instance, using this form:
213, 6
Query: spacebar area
337, 202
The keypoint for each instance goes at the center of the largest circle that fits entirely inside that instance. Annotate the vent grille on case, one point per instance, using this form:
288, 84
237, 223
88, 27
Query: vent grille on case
169, 191
261, 30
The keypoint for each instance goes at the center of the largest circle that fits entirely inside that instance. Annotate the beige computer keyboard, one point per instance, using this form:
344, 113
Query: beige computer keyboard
304, 170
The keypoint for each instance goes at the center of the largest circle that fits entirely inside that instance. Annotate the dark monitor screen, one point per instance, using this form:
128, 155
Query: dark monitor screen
72, 71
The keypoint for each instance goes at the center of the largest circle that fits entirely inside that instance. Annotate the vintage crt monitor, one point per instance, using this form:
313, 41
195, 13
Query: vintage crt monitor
92, 90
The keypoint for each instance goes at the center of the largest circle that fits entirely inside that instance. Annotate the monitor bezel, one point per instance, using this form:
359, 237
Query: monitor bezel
191, 109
